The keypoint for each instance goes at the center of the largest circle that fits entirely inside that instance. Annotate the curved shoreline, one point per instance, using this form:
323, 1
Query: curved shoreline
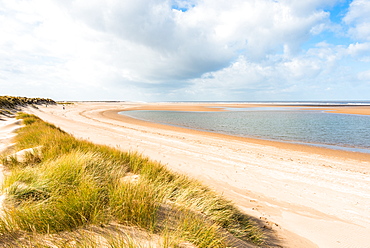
114, 114
215, 107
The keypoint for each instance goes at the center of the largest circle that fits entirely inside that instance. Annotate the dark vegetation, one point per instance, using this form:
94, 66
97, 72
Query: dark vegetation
10, 104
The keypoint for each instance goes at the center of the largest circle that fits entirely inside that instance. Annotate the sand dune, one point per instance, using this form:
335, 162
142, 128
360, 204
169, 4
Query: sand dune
304, 196
7, 133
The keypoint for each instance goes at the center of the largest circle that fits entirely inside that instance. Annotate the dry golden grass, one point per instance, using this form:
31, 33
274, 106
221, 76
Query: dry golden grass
68, 184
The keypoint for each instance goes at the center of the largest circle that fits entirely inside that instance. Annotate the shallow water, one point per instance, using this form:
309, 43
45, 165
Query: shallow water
338, 131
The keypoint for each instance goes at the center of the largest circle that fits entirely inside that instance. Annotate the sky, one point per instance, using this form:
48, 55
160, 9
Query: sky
185, 50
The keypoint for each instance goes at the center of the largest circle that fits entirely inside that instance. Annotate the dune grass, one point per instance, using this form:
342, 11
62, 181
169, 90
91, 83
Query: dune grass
14, 101
10, 104
67, 184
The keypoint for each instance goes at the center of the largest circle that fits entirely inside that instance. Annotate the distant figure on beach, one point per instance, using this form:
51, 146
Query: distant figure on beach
64, 107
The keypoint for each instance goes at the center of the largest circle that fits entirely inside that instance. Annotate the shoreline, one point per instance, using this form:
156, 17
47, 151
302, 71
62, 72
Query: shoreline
218, 107
317, 149
306, 196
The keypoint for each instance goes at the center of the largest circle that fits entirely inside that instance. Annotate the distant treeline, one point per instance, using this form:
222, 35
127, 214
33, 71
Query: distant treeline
16, 101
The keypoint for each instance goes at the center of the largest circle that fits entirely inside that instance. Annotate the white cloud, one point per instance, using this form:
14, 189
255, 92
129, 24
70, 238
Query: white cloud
308, 6
319, 73
360, 51
171, 48
358, 18
202, 39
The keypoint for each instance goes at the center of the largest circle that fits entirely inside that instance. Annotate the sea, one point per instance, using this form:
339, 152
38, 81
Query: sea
285, 124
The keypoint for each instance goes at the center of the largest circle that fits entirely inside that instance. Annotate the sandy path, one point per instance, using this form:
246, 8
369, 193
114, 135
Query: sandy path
7, 133
309, 199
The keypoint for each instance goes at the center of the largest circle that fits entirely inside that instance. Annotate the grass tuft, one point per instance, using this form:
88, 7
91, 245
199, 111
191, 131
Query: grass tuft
70, 184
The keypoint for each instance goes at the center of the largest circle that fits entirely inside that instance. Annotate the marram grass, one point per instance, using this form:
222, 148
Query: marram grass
68, 184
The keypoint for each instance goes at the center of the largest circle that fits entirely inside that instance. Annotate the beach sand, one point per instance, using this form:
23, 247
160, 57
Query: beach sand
8, 126
304, 196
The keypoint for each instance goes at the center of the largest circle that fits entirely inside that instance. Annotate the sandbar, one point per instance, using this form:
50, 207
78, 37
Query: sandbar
340, 109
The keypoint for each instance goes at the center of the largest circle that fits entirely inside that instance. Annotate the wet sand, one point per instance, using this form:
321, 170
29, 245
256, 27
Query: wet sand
340, 109
303, 196
113, 114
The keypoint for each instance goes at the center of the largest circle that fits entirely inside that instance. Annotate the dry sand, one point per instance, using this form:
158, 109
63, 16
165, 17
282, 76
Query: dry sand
304, 196
8, 127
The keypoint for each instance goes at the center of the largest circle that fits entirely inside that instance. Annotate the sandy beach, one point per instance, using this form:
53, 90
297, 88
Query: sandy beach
304, 196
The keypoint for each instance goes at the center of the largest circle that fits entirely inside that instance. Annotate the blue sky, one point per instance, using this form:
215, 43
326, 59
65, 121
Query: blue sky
177, 50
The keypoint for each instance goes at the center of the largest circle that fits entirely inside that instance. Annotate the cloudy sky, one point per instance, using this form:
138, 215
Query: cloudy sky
176, 50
